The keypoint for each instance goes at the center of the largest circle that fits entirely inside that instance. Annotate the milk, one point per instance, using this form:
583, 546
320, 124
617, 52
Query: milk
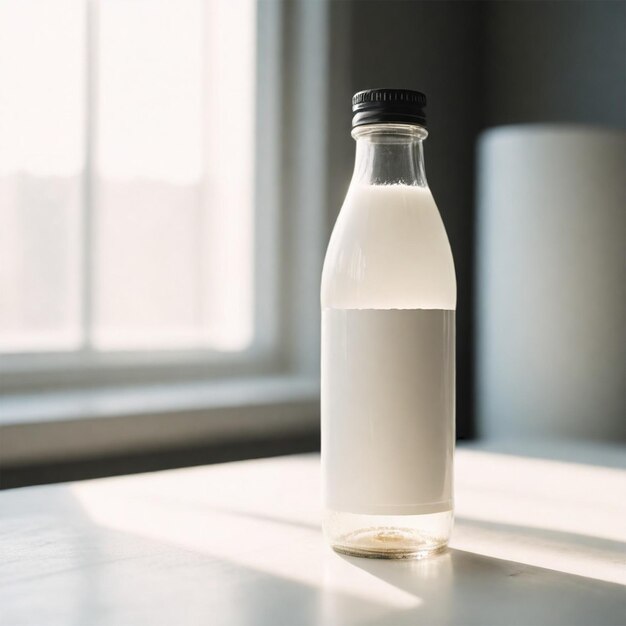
388, 300
389, 250
388, 341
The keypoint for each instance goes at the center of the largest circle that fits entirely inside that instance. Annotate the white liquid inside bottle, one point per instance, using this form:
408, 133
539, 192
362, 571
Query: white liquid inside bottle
388, 309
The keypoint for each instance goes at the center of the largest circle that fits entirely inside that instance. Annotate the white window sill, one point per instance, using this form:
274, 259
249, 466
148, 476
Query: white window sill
38, 428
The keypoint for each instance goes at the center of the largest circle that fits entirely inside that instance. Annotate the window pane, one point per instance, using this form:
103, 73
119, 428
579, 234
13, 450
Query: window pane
42, 45
173, 223
228, 261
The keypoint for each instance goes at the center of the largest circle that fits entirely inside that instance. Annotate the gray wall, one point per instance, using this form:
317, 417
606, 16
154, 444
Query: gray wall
555, 62
481, 64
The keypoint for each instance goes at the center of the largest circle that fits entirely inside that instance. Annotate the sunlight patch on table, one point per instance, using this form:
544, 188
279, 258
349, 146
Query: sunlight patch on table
242, 538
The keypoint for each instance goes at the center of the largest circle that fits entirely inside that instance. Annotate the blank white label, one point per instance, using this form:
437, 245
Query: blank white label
387, 410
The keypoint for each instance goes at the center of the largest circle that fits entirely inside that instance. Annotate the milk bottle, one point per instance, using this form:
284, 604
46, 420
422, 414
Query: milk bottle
388, 339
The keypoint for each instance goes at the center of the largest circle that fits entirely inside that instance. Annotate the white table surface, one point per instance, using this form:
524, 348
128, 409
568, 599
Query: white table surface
536, 542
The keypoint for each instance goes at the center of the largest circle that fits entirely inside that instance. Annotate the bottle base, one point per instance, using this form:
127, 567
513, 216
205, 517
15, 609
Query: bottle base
388, 537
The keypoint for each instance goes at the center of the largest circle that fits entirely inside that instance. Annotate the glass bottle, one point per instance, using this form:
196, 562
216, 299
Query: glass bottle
388, 338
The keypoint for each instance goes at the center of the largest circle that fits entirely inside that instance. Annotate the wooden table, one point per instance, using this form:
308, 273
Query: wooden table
536, 542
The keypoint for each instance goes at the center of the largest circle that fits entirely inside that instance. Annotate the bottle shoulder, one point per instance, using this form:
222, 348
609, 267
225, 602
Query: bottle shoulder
389, 249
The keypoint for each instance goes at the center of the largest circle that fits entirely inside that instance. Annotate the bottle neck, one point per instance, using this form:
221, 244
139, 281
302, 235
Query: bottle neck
389, 154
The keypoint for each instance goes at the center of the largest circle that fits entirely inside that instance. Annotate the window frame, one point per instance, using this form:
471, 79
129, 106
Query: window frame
51, 415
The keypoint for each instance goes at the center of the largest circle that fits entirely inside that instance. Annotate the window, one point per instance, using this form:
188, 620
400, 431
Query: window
127, 180
163, 217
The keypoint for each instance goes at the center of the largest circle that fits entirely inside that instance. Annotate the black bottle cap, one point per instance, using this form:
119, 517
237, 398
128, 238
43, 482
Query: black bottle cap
402, 106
